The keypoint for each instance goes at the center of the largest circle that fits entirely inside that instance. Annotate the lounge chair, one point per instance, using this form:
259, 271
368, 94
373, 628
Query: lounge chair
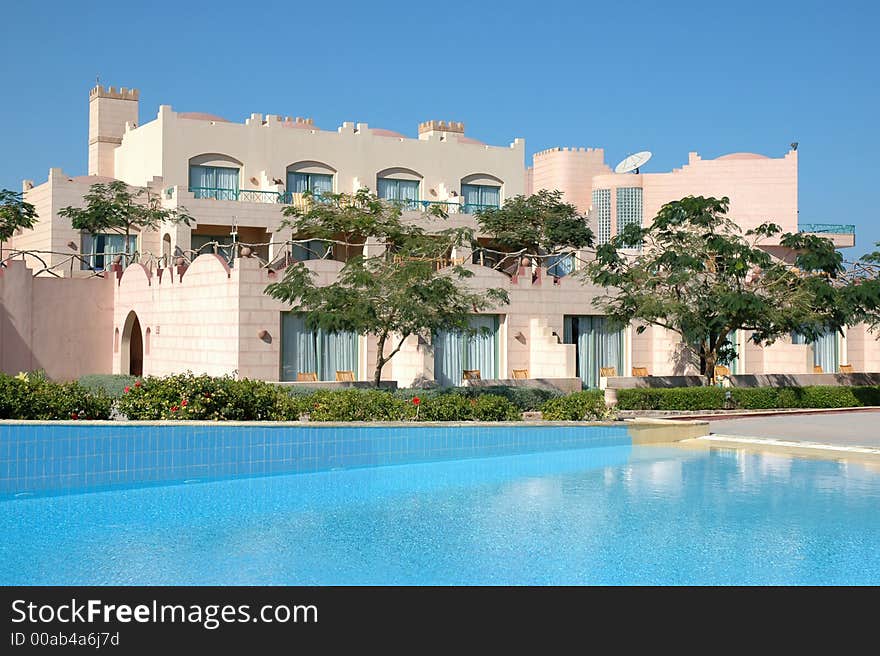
607, 372
520, 374
307, 376
846, 369
721, 371
817, 369
640, 372
345, 376
471, 374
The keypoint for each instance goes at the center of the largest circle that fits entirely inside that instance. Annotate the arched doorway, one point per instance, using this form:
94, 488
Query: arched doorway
132, 351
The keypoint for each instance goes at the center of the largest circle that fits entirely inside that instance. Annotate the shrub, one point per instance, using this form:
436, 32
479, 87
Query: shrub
586, 405
489, 407
447, 407
33, 396
746, 398
113, 384
356, 405
186, 396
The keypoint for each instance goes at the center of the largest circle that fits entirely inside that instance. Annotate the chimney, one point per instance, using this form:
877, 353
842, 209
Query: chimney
109, 110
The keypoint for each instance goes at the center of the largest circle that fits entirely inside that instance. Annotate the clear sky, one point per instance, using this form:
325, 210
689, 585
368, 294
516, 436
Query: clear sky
670, 77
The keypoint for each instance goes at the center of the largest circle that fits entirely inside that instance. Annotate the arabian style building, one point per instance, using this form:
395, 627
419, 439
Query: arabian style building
194, 298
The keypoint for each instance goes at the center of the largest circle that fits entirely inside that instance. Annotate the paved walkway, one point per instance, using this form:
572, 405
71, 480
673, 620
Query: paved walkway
838, 428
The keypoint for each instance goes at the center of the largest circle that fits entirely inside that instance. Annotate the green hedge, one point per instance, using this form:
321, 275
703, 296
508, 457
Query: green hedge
113, 384
186, 396
526, 399
587, 405
33, 396
746, 398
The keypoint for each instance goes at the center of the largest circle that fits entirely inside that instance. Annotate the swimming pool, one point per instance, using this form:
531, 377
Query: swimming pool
615, 514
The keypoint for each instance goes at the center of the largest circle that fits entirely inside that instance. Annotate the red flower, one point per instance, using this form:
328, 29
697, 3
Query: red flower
127, 389
174, 408
137, 383
416, 400
184, 403
73, 415
207, 395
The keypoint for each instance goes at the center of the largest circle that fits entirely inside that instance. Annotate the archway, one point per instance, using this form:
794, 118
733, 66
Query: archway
132, 351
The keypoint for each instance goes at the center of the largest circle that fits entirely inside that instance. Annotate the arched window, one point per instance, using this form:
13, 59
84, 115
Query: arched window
147, 334
399, 185
315, 177
214, 176
480, 191
116, 340
166, 250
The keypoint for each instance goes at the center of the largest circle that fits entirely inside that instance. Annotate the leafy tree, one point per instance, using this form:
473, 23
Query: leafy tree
699, 276
536, 226
15, 214
863, 292
116, 207
391, 294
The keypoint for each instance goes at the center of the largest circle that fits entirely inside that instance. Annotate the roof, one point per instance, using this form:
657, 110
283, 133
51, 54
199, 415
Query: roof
202, 116
743, 156
380, 132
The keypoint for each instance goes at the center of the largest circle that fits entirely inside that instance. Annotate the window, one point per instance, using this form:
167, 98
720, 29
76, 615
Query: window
317, 183
313, 249
479, 197
99, 250
602, 208
315, 351
629, 208
218, 182
559, 265
597, 345
455, 352
404, 191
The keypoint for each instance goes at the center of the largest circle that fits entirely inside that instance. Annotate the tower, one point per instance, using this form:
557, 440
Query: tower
109, 110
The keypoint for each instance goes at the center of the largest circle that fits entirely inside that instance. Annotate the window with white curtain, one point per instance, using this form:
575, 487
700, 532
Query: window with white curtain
479, 197
99, 250
217, 182
317, 183
315, 351
597, 345
454, 352
405, 192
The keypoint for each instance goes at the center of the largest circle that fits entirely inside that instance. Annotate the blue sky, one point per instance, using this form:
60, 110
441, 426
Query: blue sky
670, 77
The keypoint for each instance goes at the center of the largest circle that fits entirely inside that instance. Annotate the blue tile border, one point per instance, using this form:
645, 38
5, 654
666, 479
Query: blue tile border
53, 457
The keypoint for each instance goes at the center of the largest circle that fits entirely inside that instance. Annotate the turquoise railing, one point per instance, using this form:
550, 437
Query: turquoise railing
292, 198
832, 228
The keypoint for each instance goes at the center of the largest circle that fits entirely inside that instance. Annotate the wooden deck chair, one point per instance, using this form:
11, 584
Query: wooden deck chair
345, 376
307, 376
471, 374
520, 373
721, 371
607, 372
640, 372
846, 369
817, 369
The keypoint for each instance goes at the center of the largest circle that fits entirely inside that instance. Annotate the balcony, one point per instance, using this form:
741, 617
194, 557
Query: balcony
842, 235
298, 200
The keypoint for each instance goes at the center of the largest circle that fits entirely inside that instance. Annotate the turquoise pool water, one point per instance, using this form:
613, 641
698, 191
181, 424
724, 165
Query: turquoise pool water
609, 514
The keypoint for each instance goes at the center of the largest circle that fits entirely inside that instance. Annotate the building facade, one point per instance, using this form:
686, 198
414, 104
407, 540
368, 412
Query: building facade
194, 300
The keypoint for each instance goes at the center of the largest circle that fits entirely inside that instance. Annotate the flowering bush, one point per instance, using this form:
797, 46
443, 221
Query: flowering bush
33, 396
186, 396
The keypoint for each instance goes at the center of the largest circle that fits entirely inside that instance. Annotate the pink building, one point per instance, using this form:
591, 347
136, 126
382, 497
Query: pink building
192, 302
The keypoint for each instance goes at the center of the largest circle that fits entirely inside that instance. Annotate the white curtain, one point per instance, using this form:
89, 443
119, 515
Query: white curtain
480, 196
825, 352
455, 352
99, 250
319, 352
597, 346
216, 182
405, 191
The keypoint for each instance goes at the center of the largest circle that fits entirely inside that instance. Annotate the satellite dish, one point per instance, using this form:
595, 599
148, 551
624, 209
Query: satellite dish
633, 162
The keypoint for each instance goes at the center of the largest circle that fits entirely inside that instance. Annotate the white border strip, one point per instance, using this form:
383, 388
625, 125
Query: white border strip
789, 443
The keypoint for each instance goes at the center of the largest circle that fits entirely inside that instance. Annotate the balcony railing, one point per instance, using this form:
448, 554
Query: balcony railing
830, 228
297, 199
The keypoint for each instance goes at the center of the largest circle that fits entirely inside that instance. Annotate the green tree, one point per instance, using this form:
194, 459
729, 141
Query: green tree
699, 276
863, 293
15, 214
115, 207
538, 226
398, 287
